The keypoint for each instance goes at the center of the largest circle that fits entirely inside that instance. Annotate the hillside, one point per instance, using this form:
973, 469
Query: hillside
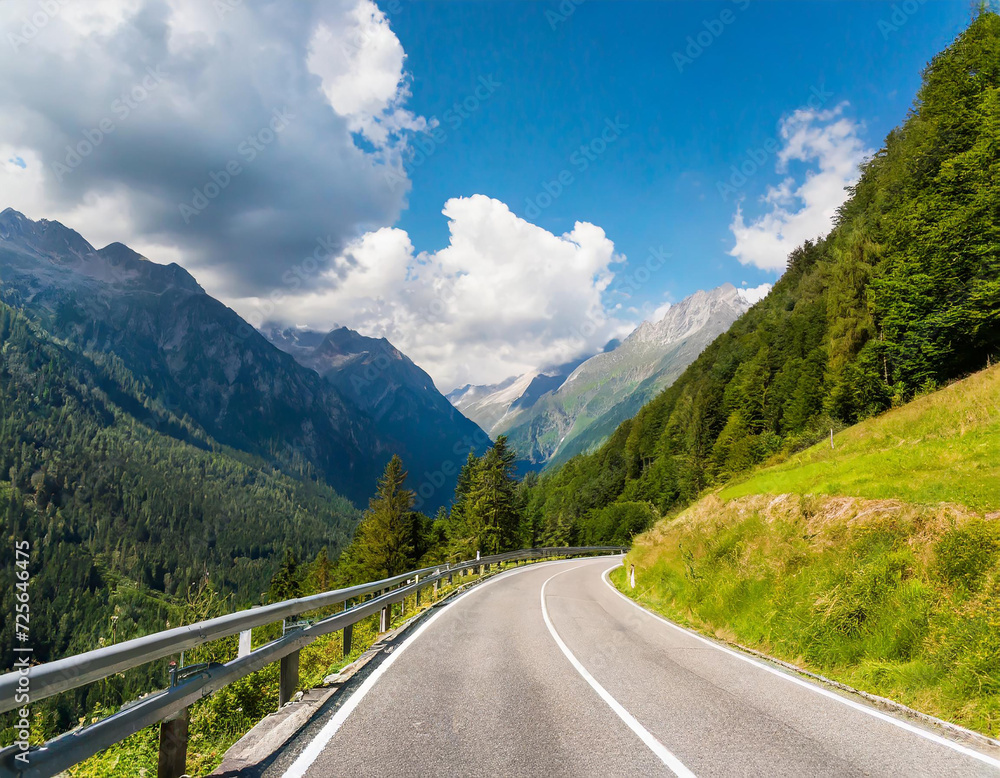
203, 361
610, 387
401, 399
197, 356
495, 407
876, 563
552, 414
128, 505
902, 296
942, 447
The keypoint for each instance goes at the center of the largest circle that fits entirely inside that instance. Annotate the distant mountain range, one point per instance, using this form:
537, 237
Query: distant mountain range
553, 414
205, 363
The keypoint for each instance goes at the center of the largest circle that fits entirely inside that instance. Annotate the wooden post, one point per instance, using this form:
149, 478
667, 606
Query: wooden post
348, 637
172, 762
288, 677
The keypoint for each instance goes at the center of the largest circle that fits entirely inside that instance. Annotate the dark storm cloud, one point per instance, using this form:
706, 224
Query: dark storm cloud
204, 123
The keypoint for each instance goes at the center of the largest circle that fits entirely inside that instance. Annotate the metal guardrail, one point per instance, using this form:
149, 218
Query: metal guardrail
71, 672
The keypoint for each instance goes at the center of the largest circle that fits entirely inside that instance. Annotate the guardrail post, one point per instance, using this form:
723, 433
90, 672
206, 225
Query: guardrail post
347, 638
172, 761
435, 589
288, 679
416, 599
385, 618
245, 645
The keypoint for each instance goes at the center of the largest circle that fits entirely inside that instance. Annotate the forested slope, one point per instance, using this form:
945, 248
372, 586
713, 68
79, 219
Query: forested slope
901, 296
126, 505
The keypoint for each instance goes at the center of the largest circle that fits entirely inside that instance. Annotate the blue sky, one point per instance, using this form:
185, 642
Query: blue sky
307, 163
656, 185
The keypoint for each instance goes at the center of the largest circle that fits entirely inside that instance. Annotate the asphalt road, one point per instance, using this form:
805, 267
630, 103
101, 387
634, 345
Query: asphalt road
547, 670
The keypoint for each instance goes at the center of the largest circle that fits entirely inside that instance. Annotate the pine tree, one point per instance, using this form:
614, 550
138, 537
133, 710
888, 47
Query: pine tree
320, 575
458, 527
383, 546
493, 513
285, 584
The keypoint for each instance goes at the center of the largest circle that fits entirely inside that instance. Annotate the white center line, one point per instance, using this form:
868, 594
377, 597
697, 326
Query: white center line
312, 751
654, 745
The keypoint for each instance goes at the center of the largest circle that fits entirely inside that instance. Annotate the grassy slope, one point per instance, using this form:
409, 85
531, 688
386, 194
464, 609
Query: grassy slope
943, 447
895, 590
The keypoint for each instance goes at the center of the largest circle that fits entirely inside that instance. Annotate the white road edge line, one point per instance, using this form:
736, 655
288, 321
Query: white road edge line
654, 745
301, 765
811, 686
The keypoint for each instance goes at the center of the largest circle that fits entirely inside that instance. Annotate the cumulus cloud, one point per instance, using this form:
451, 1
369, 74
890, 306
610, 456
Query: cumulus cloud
360, 62
504, 297
231, 135
828, 144
754, 294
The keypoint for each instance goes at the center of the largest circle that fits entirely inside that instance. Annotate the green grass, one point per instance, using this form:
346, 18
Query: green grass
900, 602
879, 566
943, 447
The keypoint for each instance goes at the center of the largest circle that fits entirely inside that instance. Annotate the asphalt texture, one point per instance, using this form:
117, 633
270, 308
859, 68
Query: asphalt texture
484, 688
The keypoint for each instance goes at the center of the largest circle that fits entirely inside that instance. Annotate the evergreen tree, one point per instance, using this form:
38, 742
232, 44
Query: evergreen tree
493, 514
319, 578
383, 545
286, 583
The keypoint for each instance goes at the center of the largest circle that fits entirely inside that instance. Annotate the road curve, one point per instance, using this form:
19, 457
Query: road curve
547, 670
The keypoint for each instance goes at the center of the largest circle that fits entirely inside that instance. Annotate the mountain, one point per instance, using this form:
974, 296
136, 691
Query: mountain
432, 436
196, 357
901, 297
130, 509
495, 407
551, 415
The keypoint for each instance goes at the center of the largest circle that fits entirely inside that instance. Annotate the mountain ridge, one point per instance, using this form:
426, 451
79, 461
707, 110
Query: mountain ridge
587, 399
197, 356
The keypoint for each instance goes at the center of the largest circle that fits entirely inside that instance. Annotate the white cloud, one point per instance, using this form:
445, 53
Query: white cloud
829, 144
754, 294
660, 312
360, 61
223, 69
504, 297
